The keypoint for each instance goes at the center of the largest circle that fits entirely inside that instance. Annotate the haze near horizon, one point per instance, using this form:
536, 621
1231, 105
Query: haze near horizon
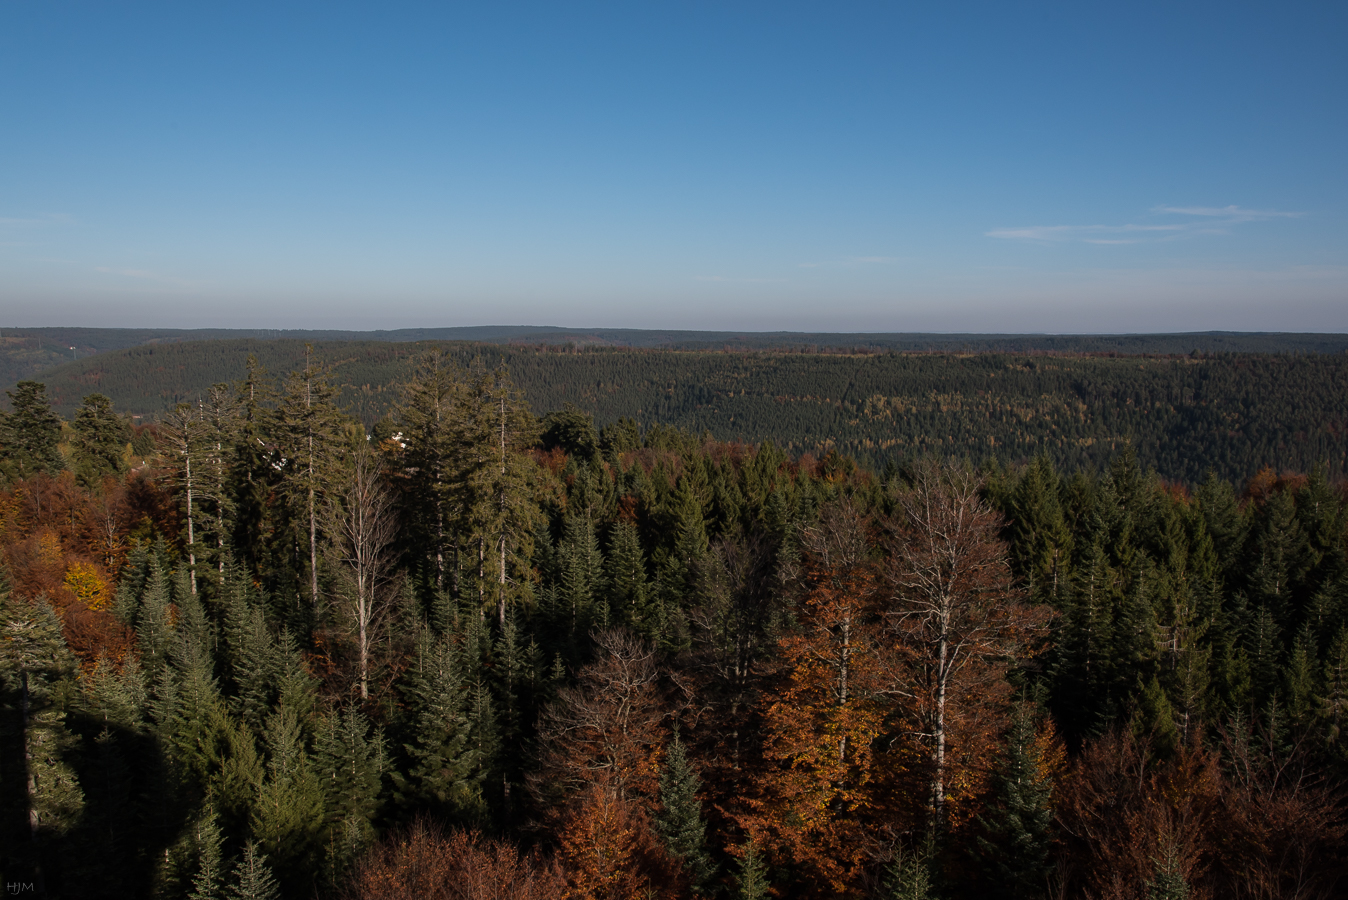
978, 168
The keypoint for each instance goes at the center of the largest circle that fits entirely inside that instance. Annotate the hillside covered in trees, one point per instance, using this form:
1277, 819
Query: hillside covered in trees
257, 649
1232, 413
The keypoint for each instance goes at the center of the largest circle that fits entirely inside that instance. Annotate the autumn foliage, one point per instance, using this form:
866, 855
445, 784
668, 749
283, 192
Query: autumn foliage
67, 544
688, 670
425, 863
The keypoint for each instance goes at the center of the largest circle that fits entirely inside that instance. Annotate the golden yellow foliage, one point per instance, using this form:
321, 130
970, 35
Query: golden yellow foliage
87, 584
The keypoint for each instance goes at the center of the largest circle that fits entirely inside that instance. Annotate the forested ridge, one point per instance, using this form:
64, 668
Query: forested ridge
1232, 413
257, 649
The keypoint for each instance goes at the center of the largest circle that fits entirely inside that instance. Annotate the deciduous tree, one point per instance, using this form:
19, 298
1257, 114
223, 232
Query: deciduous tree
957, 624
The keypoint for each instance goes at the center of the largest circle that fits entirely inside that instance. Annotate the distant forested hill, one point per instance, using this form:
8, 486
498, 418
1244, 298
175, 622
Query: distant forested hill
26, 352
1234, 413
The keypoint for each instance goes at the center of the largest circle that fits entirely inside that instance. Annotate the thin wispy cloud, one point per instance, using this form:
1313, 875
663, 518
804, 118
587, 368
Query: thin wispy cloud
1232, 213
1196, 220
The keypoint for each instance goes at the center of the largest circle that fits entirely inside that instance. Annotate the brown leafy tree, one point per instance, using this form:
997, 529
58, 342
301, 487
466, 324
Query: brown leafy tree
423, 863
823, 787
598, 778
1120, 810
609, 851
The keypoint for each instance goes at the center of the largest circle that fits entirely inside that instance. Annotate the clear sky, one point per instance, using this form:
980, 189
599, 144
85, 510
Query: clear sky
821, 166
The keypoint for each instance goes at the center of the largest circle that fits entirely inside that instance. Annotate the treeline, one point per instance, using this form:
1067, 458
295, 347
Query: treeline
1233, 414
473, 654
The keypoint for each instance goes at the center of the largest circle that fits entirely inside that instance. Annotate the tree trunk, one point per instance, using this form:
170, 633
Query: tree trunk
191, 534
363, 605
938, 754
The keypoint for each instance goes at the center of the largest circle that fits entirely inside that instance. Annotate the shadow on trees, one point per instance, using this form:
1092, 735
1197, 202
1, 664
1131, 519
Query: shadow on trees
129, 818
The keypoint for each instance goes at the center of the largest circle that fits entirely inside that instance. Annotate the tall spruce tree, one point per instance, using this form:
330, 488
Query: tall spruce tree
289, 816
909, 877
1015, 848
98, 441
310, 426
255, 466
502, 510
30, 435
37, 669
625, 578
433, 423
441, 771
222, 413
679, 819
350, 760
1168, 882
183, 434
580, 566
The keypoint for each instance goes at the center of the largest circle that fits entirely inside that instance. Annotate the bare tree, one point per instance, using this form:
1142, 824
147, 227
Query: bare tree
608, 728
957, 618
364, 528
184, 435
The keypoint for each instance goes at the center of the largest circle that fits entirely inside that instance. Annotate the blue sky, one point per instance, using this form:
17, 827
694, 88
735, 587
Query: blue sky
846, 166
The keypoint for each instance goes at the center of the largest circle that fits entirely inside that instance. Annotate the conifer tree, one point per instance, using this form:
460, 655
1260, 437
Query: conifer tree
1300, 677
30, 434
1154, 720
310, 428
1168, 882
909, 877
1333, 701
133, 577
208, 848
154, 629
288, 817
679, 819
1041, 540
252, 657
677, 572
625, 579
753, 875
183, 433
1278, 559
98, 441
1017, 839
1263, 647
222, 414
1082, 656
116, 696
442, 769
36, 665
350, 761
252, 878
432, 419
501, 511
516, 685
580, 565
254, 466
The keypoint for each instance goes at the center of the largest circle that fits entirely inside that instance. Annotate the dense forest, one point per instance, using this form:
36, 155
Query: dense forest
33, 352
1232, 413
256, 649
